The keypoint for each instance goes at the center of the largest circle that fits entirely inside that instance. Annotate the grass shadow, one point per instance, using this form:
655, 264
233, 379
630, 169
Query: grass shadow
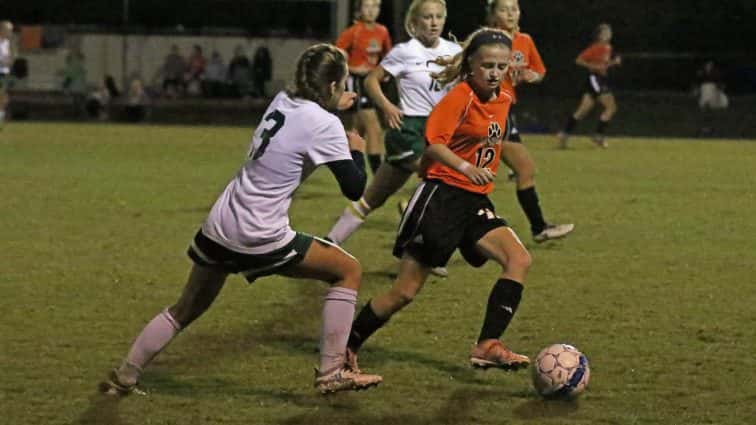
540, 408
102, 410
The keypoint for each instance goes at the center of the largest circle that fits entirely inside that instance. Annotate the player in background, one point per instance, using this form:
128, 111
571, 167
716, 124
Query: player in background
410, 63
366, 43
451, 210
597, 59
526, 67
248, 231
6, 61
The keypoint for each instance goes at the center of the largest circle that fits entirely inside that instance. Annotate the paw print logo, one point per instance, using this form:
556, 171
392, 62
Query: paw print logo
494, 133
518, 57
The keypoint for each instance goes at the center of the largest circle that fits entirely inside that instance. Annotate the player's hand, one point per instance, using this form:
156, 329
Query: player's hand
394, 115
356, 142
479, 176
347, 100
528, 76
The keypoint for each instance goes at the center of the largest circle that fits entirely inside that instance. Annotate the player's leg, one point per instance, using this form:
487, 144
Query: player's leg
516, 155
610, 108
201, 289
387, 181
3, 103
373, 136
499, 243
587, 103
329, 263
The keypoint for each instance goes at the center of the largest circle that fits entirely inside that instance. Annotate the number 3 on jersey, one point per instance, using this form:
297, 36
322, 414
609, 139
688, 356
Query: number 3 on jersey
484, 156
278, 121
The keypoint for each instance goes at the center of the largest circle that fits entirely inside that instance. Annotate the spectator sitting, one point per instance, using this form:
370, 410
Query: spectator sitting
711, 89
173, 70
240, 72
214, 83
262, 70
195, 71
97, 102
136, 102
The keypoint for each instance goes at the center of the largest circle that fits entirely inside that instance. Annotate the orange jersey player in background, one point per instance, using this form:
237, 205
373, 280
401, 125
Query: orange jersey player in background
450, 209
597, 59
366, 42
526, 66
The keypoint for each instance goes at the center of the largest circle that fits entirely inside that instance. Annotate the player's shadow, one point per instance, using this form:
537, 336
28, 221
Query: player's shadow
540, 408
102, 410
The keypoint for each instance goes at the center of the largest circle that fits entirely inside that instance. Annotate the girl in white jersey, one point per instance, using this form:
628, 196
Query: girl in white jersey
411, 64
6, 60
248, 232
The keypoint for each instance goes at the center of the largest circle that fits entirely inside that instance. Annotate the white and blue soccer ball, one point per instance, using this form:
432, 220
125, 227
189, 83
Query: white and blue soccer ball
560, 370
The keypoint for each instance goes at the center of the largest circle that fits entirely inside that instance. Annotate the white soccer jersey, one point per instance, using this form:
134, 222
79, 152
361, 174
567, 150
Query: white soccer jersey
408, 63
294, 137
5, 56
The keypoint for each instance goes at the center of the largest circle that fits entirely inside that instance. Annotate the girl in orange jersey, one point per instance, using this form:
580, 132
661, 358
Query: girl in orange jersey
451, 209
366, 43
597, 59
526, 67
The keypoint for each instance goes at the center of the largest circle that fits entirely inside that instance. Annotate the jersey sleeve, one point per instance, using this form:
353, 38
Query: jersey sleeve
446, 117
535, 63
345, 39
595, 53
394, 62
329, 143
386, 40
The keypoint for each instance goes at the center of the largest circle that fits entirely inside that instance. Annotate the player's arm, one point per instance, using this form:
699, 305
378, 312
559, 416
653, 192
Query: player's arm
536, 69
373, 87
350, 174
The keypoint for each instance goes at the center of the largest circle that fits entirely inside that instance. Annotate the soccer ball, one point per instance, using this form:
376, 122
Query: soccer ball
560, 370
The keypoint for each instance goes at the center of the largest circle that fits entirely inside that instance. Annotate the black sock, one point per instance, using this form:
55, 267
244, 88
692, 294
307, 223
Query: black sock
374, 160
529, 202
601, 127
502, 305
571, 122
363, 326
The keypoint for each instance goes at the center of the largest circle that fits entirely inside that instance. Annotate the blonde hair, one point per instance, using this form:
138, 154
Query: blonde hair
458, 67
414, 10
491, 15
318, 66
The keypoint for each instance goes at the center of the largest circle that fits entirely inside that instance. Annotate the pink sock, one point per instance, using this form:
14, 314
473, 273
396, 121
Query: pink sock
153, 338
338, 313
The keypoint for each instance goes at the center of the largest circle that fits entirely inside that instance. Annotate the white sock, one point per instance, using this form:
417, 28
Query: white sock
338, 313
2, 116
153, 338
351, 220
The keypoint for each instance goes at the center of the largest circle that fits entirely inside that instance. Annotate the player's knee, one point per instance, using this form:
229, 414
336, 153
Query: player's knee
351, 274
519, 261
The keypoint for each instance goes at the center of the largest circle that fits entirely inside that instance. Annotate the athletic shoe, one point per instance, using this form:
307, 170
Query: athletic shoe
562, 139
440, 271
600, 141
553, 231
350, 361
343, 379
114, 387
492, 353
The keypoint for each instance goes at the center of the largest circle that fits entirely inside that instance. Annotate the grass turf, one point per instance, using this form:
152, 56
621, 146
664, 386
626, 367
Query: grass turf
655, 286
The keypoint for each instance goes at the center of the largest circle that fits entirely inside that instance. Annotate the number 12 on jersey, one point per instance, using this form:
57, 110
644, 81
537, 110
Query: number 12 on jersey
278, 121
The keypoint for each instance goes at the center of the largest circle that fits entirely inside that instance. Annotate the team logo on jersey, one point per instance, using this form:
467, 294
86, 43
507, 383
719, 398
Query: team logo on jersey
494, 133
518, 57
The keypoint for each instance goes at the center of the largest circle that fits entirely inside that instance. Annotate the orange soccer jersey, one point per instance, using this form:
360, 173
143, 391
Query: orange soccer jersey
472, 129
365, 46
525, 55
597, 53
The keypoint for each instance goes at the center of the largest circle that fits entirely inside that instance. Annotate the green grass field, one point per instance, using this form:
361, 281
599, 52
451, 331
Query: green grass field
656, 286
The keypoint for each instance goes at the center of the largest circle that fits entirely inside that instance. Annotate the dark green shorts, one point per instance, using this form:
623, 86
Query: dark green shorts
206, 252
408, 143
